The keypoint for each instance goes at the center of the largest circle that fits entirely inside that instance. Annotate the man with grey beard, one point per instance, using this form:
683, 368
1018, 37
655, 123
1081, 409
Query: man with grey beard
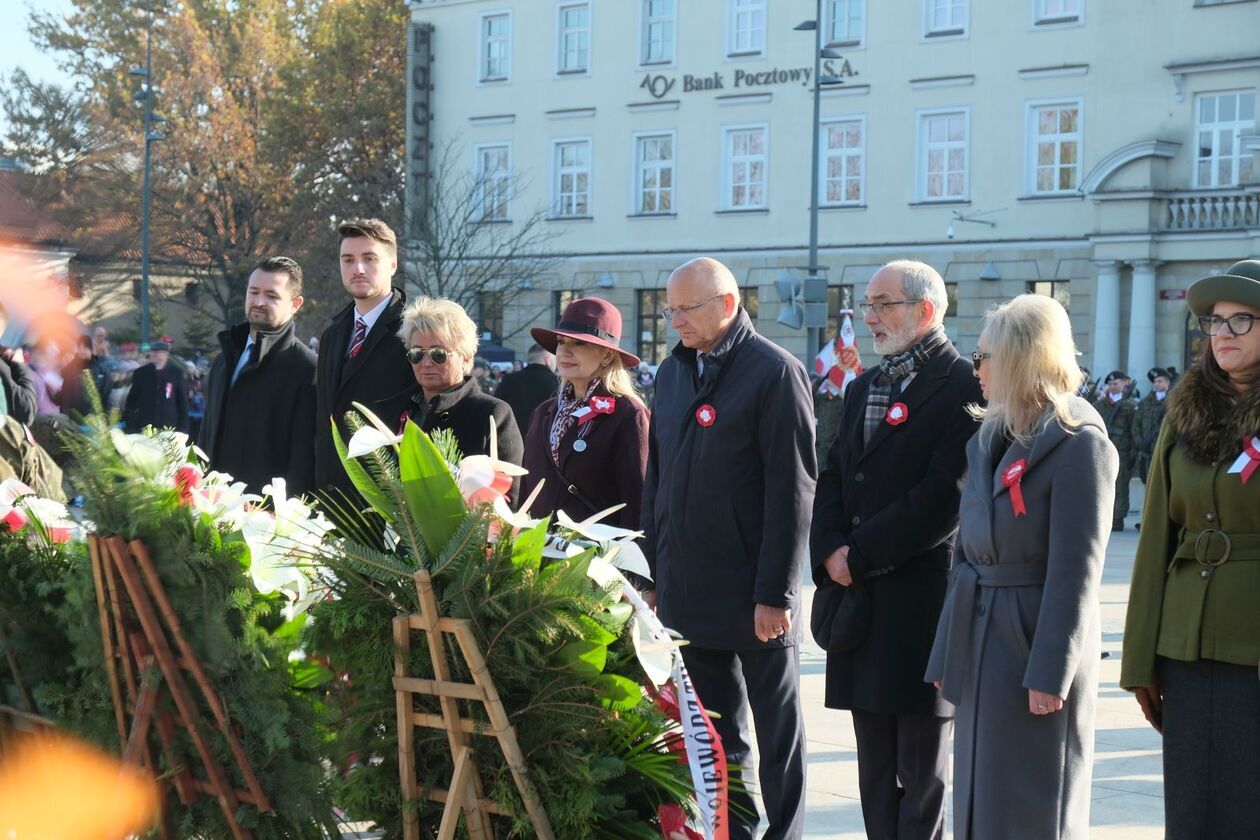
885, 519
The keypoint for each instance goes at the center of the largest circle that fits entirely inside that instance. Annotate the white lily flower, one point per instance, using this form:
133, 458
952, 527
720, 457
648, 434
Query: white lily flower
593, 529
11, 490
604, 574
144, 453
518, 519
369, 439
628, 557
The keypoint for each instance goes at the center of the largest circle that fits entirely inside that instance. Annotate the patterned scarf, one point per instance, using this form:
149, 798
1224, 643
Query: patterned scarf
565, 406
892, 370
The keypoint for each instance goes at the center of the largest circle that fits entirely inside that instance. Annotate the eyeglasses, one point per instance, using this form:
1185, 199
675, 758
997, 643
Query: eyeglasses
878, 308
977, 358
1239, 323
669, 312
416, 355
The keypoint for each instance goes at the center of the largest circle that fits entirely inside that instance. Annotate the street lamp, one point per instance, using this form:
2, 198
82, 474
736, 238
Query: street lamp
150, 137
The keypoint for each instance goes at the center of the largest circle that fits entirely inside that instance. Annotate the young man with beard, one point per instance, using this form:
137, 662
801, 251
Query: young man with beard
361, 356
885, 520
260, 392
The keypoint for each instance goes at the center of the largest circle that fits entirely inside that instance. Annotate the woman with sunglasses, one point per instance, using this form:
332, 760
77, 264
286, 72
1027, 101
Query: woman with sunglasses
589, 443
1192, 634
1018, 644
441, 343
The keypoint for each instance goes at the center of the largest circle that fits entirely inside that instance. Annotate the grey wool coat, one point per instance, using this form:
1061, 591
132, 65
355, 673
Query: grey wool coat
1022, 613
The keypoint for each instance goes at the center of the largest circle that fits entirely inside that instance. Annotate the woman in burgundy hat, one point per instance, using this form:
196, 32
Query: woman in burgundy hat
590, 442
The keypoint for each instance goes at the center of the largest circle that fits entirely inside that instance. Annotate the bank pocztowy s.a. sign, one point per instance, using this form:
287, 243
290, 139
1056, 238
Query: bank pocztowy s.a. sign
659, 85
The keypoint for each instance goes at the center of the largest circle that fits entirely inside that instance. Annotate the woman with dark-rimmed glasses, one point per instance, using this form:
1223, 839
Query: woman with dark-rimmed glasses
1192, 635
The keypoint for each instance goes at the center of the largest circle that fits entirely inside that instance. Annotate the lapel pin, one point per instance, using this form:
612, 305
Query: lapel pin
706, 415
897, 414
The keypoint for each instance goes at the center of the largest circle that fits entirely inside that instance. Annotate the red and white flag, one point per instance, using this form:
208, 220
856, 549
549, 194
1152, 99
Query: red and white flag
839, 363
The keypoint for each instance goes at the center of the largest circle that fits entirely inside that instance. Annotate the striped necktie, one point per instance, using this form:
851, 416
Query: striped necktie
360, 335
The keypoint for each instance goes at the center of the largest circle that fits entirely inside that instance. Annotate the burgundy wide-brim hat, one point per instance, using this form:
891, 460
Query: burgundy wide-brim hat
592, 320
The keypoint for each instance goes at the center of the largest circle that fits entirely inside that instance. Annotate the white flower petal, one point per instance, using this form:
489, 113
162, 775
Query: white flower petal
593, 530
369, 439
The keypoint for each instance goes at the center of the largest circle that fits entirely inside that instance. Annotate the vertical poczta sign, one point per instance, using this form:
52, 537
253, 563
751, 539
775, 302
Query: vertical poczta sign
419, 123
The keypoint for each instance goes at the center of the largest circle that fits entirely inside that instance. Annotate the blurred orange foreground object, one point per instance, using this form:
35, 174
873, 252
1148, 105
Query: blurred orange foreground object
54, 788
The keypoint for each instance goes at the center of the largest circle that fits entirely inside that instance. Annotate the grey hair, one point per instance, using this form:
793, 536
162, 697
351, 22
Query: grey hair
920, 280
447, 320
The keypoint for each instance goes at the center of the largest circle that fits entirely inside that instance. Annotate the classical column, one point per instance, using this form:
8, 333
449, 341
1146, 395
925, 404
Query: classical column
1106, 318
1142, 319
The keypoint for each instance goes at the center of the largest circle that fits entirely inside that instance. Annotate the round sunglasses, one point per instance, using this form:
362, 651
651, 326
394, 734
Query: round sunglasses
416, 355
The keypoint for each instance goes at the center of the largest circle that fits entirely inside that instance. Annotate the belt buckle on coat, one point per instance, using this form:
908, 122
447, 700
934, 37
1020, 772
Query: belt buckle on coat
1201, 546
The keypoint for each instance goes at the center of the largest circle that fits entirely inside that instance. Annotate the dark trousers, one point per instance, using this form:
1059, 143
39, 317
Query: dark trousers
1211, 750
767, 681
903, 761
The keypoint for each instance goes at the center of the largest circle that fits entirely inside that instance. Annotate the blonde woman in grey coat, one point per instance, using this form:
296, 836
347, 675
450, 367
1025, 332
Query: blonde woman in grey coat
1017, 646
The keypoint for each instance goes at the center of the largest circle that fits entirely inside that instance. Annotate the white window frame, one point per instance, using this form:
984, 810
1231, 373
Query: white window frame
1043, 17
1239, 127
578, 32
855, 39
728, 162
504, 179
670, 22
558, 172
825, 154
954, 29
483, 43
1033, 136
734, 10
638, 168
923, 147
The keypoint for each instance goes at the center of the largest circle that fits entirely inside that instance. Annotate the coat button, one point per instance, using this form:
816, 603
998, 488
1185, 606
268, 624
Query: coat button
979, 609
857, 520
859, 477
987, 559
1210, 517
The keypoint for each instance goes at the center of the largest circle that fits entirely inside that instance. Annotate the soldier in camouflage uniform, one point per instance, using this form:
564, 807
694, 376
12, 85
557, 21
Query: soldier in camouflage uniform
1117, 407
827, 410
1149, 415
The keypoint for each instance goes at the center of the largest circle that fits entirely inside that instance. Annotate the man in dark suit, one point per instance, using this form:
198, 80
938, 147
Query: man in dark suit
726, 501
361, 356
260, 392
885, 519
529, 387
158, 395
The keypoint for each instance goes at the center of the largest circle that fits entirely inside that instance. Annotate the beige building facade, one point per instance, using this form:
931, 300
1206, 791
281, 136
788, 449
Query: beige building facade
1102, 151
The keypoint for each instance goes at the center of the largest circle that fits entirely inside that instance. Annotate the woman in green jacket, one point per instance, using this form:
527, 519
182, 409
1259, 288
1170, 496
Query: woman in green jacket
1192, 634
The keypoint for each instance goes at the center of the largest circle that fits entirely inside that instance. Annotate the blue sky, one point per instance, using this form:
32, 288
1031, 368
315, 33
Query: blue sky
16, 49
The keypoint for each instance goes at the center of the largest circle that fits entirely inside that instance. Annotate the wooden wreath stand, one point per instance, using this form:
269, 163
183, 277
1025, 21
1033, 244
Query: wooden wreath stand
16, 721
465, 791
142, 639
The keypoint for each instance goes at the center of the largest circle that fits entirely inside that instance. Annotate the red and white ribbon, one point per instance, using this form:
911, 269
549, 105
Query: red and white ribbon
1249, 460
897, 414
1011, 480
598, 405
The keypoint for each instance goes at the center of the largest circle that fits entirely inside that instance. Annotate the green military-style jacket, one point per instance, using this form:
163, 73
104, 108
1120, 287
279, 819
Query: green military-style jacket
1147, 418
1195, 592
1119, 419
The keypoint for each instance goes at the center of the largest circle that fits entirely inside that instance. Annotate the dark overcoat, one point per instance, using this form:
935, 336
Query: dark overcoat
157, 398
467, 411
526, 389
609, 471
726, 505
894, 501
379, 377
263, 426
19, 391
1022, 613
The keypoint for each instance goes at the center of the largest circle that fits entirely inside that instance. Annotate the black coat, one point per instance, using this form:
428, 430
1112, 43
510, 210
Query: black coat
526, 389
158, 398
726, 507
379, 377
609, 471
467, 411
262, 427
19, 391
894, 502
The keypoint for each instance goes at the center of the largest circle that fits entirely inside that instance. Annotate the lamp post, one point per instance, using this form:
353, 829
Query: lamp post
150, 137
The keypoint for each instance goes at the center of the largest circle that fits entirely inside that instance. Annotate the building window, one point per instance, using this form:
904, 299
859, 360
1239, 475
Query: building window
496, 47
744, 168
574, 38
572, 178
493, 181
951, 300
1054, 130
943, 154
654, 173
1223, 119
844, 21
750, 299
562, 298
1057, 11
838, 297
944, 18
1060, 290
746, 27
490, 311
844, 149
652, 345
659, 27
